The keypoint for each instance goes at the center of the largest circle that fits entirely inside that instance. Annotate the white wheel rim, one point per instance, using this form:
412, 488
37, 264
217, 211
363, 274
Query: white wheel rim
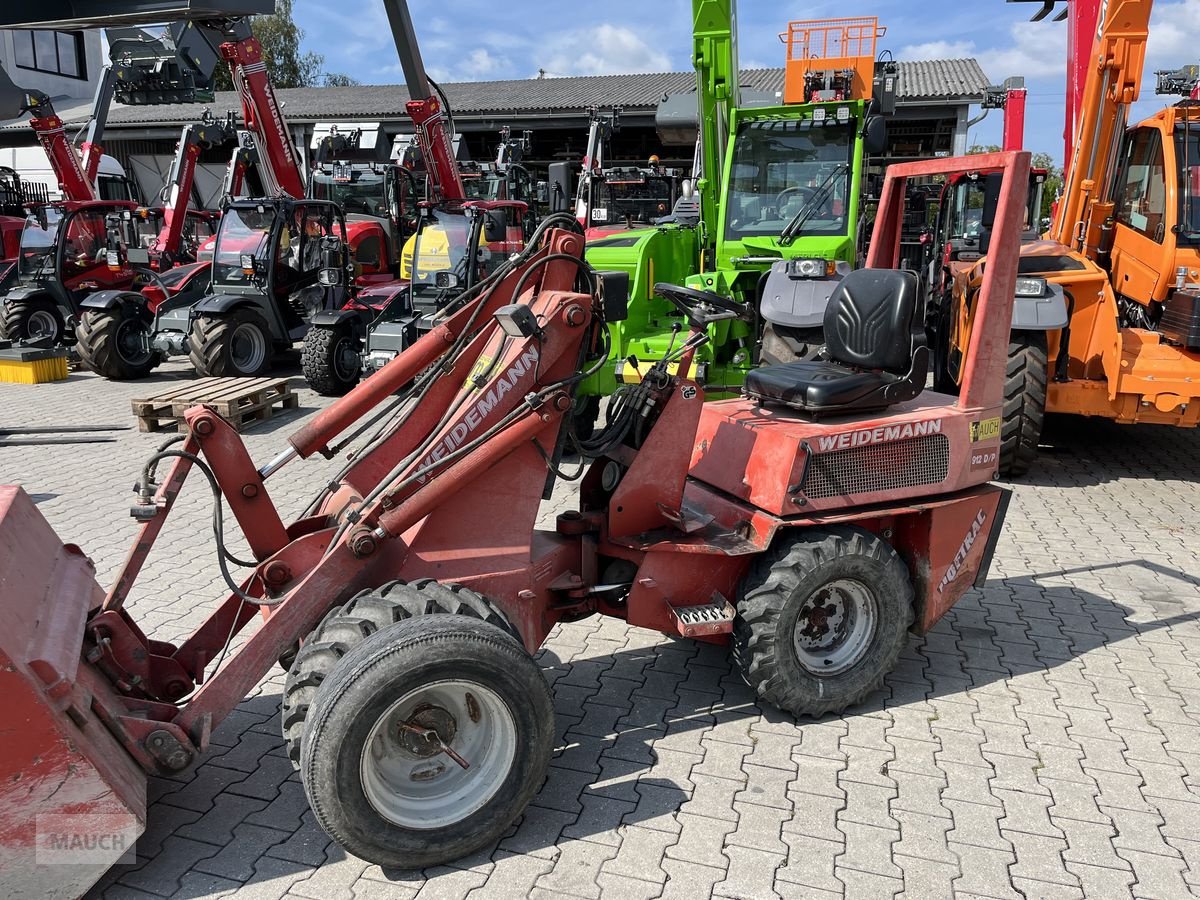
247, 348
411, 781
41, 324
835, 627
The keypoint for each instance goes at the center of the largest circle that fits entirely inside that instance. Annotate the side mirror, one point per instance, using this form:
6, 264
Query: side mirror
543, 192
991, 198
329, 277
875, 136
687, 189
446, 280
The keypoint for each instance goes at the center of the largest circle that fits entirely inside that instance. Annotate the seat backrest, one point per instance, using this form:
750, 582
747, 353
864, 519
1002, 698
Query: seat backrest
870, 322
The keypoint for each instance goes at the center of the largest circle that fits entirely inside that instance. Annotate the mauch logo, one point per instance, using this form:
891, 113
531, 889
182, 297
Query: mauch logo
961, 556
85, 839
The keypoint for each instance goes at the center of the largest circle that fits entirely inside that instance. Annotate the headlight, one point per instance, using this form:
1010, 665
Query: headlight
1031, 287
809, 268
819, 114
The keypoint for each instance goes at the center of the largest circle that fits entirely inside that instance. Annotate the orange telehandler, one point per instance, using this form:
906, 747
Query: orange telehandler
1106, 321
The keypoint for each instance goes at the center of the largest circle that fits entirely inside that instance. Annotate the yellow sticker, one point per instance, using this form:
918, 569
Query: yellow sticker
985, 430
479, 371
630, 374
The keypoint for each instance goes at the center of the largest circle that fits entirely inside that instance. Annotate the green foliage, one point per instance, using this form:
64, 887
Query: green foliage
338, 79
287, 65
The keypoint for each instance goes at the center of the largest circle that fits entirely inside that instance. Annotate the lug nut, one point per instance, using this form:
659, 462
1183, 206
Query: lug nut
203, 426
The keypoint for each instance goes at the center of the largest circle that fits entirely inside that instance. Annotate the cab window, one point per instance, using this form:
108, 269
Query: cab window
1141, 190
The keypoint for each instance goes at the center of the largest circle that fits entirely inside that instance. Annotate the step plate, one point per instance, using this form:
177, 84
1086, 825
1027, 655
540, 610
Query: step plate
710, 618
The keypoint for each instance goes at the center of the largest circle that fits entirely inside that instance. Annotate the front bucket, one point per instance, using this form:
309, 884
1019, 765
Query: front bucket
72, 801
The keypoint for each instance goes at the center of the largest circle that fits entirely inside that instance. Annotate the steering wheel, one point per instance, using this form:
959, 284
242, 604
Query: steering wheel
689, 302
805, 193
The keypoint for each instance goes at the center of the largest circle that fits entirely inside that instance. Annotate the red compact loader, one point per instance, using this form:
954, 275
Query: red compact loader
809, 525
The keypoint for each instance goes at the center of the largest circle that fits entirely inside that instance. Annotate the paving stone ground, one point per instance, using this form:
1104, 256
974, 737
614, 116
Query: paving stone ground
1042, 742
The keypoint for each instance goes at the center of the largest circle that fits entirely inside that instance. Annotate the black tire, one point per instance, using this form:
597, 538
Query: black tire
783, 583
108, 342
211, 345
345, 627
584, 413
466, 684
41, 314
1024, 402
324, 360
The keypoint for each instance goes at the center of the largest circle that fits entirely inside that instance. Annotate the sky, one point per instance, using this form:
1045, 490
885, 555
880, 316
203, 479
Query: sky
481, 40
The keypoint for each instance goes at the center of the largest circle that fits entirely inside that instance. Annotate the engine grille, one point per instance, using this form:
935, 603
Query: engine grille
879, 467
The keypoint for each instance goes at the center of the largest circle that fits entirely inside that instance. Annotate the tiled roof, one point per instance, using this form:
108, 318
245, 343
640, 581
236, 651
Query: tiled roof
937, 80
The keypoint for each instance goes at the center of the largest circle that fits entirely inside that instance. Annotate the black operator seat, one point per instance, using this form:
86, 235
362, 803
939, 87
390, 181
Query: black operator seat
875, 341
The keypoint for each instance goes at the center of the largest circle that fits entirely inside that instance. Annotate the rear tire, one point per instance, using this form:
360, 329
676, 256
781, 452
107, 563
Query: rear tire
822, 618
374, 763
1024, 402
345, 627
111, 343
32, 319
236, 344
331, 360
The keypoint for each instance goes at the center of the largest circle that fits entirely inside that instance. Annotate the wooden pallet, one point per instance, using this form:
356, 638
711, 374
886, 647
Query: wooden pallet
241, 402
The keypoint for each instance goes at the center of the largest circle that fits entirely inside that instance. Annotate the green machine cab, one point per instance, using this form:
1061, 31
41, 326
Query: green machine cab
773, 216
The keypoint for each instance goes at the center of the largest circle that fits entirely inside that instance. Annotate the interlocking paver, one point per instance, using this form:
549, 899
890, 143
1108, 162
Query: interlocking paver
751, 874
1042, 739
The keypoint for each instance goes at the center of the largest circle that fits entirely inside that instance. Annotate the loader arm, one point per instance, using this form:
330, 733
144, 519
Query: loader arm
715, 58
1113, 83
206, 133
51, 134
425, 108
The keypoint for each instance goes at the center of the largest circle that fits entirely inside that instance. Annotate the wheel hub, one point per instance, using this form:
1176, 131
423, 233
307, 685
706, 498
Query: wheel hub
427, 731
835, 627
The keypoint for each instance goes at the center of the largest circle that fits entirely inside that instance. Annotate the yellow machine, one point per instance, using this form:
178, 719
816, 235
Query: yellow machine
1107, 317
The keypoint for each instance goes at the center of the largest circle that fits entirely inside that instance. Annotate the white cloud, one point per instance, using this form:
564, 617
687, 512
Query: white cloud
938, 50
604, 50
1037, 50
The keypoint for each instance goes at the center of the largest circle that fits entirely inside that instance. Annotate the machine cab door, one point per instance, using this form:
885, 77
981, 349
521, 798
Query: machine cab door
1144, 239
310, 267
83, 253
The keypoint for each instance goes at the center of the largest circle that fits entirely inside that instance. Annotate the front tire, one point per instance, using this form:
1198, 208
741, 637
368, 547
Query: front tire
822, 618
1024, 402
236, 344
32, 319
427, 741
331, 360
113, 343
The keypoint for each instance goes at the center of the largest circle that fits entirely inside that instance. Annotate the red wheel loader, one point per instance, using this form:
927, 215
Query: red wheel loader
809, 525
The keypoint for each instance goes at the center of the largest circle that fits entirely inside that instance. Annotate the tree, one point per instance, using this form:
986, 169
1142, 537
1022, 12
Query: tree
280, 38
338, 79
